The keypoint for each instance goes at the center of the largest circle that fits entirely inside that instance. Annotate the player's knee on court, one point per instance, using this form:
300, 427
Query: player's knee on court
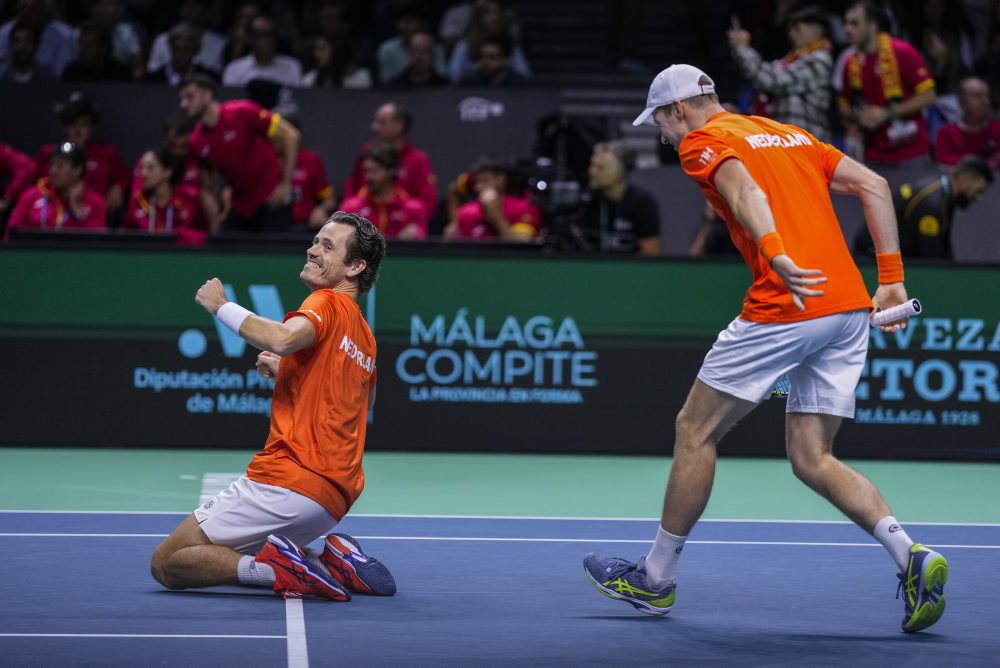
158, 567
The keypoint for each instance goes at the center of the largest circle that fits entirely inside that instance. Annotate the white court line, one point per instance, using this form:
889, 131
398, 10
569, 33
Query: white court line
295, 629
506, 517
135, 635
514, 539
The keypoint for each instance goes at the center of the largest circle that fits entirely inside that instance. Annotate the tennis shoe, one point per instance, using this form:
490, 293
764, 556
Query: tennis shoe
922, 586
626, 581
294, 578
353, 569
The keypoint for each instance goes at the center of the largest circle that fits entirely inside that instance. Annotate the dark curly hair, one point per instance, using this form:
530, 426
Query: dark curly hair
368, 245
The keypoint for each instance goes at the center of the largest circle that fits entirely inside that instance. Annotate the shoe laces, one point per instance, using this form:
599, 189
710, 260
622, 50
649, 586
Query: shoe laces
909, 583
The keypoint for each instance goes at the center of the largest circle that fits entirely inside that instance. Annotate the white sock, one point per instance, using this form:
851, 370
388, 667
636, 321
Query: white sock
889, 532
252, 572
661, 562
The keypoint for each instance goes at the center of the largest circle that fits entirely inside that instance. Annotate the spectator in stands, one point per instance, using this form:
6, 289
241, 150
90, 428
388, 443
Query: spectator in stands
237, 44
105, 172
988, 65
126, 36
19, 65
211, 51
493, 64
420, 71
391, 125
17, 171
712, 238
263, 61
160, 206
312, 195
55, 39
925, 209
489, 17
619, 217
184, 42
797, 87
936, 28
252, 148
454, 21
95, 61
334, 67
395, 212
394, 54
61, 200
187, 176
977, 133
886, 88
495, 213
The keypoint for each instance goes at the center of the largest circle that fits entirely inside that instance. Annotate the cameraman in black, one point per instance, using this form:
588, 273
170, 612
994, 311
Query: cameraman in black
618, 217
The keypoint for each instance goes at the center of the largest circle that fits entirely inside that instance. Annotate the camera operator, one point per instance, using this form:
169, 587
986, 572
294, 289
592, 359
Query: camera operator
619, 217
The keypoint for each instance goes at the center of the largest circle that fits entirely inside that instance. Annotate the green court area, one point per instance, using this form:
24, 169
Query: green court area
154, 480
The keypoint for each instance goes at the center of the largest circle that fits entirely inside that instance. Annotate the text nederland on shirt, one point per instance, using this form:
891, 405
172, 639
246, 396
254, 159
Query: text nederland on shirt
794, 169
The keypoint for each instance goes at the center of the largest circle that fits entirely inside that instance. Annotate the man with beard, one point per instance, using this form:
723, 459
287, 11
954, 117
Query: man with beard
253, 149
925, 209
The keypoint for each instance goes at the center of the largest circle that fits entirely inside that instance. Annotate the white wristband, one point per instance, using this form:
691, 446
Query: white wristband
232, 316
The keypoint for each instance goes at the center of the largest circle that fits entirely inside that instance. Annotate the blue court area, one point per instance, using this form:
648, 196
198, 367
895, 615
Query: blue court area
486, 591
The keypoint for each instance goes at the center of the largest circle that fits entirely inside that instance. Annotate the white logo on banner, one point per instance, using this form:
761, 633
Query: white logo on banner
479, 109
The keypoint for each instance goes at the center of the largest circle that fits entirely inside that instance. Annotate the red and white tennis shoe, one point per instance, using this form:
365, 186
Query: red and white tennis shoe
294, 578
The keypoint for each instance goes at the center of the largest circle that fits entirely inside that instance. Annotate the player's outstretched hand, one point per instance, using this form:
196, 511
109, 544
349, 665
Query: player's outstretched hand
267, 364
798, 280
211, 296
887, 296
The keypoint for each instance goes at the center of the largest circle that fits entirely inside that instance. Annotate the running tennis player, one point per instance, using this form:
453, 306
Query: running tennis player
770, 182
304, 481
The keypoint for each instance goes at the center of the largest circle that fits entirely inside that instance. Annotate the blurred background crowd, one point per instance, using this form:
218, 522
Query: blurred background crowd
909, 88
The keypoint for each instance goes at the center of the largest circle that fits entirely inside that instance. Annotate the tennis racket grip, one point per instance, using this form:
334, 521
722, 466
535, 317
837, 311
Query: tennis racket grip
904, 310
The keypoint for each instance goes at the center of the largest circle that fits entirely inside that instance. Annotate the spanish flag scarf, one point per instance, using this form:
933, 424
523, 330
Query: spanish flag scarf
795, 54
892, 84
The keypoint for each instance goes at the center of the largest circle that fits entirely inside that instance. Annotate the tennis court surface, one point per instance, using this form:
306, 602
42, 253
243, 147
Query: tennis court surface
489, 570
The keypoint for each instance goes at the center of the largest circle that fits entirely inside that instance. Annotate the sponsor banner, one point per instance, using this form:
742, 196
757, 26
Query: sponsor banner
492, 353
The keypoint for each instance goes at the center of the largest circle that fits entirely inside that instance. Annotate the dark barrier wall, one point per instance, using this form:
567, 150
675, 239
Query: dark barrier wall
487, 353
454, 126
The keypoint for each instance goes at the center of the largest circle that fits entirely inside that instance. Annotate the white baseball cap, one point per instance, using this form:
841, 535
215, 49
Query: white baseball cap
677, 82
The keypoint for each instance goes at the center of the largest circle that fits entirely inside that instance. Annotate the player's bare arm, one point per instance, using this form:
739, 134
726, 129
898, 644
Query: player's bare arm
853, 178
749, 204
277, 337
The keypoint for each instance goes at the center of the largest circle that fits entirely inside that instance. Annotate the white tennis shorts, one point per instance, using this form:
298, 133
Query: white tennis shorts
242, 515
822, 357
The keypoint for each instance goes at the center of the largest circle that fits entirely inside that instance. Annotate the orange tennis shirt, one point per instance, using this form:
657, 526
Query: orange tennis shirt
794, 170
319, 412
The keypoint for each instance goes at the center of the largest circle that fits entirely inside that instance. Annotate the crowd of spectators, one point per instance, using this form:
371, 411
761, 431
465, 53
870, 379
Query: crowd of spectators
898, 87
308, 44
892, 84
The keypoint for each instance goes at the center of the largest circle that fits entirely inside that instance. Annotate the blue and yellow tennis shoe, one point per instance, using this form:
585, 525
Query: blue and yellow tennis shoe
922, 587
626, 581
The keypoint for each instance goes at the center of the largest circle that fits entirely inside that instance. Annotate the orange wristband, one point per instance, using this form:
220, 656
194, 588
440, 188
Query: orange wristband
771, 246
890, 268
